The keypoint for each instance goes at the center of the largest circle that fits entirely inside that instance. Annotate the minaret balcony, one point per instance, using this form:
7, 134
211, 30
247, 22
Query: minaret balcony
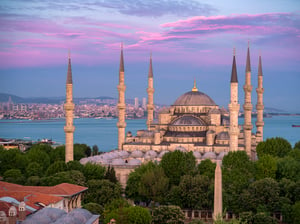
234, 107
248, 106
69, 106
150, 90
259, 123
69, 129
121, 125
248, 126
260, 90
150, 106
248, 88
260, 107
121, 106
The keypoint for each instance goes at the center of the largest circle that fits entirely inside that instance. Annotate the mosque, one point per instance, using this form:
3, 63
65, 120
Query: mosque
194, 122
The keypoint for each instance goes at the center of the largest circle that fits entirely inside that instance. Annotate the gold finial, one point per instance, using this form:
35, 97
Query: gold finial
195, 88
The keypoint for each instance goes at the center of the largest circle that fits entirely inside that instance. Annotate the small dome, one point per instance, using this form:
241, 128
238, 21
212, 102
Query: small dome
123, 154
161, 154
209, 155
188, 120
137, 154
221, 155
180, 148
134, 162
224, 135
152, 154
22, 206
12, 211
118, 162
194, 98
197, 154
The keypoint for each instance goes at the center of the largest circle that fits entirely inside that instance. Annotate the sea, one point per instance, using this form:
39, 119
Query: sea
103, 132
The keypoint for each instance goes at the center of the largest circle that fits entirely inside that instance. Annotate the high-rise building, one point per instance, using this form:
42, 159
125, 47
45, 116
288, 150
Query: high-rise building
136, 103
144, 103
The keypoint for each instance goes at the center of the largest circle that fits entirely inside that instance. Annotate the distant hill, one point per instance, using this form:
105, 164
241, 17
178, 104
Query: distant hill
46, 100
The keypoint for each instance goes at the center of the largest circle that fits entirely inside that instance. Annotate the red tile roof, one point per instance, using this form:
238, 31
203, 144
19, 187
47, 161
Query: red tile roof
64, 189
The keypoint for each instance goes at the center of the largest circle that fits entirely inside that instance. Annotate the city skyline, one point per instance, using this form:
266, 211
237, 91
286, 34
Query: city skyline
188, 40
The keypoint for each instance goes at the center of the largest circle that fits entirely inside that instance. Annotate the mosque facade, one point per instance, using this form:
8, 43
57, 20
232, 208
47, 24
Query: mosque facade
194, 122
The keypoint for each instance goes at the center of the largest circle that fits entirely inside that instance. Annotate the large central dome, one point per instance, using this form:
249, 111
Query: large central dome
194, 98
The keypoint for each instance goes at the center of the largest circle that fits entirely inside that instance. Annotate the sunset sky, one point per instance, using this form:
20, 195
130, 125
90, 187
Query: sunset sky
189, 40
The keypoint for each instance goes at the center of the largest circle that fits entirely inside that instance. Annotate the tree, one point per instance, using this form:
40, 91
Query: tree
81, 151
71, 177
38, 154
195, 191
134, 180
177, 164
167, 214
237, 173
75, 165
94, 208
296, 212
57, 154
277, 147
207, 168
93, 171
33, 181
14, 176
138, 215
261, 196
8, 159
266, 166
288, 168
297, 145
34, 169
111, 175
102, 191
56, 167
95, 150
154, 185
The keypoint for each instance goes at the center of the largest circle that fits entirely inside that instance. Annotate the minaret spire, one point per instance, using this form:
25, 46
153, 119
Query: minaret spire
195, 87
69, 111
121, 104
248, 106
150, 91
234, 108
260, 105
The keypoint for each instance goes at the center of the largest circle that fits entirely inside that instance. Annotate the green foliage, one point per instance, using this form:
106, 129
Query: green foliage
81, 151
296, 213
102, 191
288, 168
21, 161
261, 196
297, 145
134, 180
56, 167
266, 166
33, 181
93, 171
115, 204
154, 185
75, 165
95, 150
263, 218
111, 175
8, 159
72, 177
167, 214
57, 154
13, 176
295, 154
138, 215
34, 169
41, 147
177, 164
194, 192
94, 208
237, 173
207, 168
39, 154
196, 222
277, 147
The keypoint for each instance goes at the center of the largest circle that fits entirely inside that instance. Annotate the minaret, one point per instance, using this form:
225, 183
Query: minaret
260, 105
121, 104
218, 200
69, 110
234, 108
150, 91
248, 106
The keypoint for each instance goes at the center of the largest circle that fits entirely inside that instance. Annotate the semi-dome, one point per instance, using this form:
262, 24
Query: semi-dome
194, 98
209, 155
188, 120
197, 154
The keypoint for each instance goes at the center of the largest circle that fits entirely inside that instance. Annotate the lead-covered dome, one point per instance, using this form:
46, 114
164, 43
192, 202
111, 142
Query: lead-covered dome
194, 98
188, 120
